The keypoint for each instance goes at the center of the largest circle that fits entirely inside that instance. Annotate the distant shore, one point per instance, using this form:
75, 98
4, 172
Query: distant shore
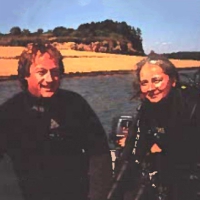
83, 63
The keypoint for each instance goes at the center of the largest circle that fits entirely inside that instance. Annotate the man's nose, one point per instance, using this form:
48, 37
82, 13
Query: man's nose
48, 77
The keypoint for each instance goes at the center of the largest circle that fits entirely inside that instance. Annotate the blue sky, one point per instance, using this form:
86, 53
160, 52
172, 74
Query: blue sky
166, 25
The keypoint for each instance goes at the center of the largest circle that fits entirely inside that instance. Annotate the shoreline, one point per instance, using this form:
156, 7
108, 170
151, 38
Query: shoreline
77, 74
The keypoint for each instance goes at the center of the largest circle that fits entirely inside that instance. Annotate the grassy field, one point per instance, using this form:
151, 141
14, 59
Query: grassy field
82, 61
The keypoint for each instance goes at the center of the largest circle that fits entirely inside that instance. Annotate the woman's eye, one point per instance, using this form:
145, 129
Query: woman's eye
157, 81
143, 83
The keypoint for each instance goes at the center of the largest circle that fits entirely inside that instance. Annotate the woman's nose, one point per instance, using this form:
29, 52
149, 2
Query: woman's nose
151, 87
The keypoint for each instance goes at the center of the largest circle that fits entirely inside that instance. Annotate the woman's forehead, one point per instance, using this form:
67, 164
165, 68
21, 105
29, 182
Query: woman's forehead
150, 70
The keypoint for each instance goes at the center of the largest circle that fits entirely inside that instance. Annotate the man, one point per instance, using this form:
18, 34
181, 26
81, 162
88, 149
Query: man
57, 145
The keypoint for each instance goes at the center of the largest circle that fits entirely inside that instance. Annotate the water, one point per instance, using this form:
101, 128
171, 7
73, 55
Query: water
108, 95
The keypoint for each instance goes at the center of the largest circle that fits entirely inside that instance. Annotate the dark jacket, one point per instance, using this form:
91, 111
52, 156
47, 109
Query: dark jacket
173, 126
57, 145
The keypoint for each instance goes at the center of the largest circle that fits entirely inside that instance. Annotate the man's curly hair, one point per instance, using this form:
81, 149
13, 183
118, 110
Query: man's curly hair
27, 58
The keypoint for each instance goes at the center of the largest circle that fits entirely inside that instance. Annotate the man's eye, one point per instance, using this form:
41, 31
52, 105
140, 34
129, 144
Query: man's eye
55, 72
41, 72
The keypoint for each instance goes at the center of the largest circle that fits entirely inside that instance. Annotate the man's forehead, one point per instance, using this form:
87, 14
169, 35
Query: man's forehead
47, 67
42, 57
44, 61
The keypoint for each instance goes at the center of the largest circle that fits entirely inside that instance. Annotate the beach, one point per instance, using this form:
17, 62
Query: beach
83, 61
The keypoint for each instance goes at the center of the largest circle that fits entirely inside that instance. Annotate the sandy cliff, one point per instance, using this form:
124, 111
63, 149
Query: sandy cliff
82, 61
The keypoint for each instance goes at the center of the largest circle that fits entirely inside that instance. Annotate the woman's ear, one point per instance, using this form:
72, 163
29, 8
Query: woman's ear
173, 82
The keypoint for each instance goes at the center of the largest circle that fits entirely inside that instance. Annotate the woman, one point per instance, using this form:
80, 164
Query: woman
163, 141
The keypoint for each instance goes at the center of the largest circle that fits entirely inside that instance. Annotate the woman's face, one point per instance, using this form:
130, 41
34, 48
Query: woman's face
154, 83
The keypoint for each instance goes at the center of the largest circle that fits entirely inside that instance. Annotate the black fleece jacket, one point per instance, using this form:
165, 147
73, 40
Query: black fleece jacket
57, 145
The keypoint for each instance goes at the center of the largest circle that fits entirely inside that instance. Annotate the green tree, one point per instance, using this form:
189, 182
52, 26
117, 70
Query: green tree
15, 30
139, 33
60, 31
26, 32
40, 31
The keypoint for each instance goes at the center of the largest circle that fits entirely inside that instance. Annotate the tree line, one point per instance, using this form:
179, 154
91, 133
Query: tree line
108, 30
186, 55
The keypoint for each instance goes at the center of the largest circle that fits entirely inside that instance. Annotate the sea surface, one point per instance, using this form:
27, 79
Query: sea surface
108, 95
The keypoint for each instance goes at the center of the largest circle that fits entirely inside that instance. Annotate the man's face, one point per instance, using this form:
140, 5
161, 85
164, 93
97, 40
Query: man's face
154, 83
44, 78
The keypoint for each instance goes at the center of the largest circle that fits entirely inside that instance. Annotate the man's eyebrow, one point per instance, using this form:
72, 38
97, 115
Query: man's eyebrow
40, 68
54, 69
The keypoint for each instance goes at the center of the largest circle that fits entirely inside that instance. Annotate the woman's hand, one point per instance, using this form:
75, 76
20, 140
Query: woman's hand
155, 148
121, 141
